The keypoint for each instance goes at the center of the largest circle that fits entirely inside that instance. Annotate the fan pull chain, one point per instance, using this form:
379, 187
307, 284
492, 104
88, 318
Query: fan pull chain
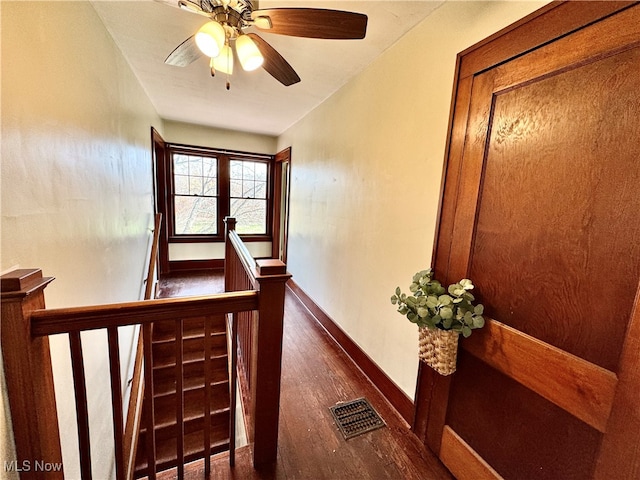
229, 60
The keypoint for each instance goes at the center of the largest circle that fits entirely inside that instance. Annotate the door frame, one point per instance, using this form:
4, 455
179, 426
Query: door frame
623, 426
280, 226
158, 158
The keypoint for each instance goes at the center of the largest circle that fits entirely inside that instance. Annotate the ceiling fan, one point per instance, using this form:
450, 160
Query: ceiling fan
228, 20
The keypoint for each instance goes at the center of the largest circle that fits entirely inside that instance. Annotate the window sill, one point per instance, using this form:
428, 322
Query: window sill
217, 238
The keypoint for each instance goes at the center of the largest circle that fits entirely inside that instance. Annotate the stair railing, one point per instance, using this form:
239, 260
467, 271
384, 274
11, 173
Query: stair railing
256, 338
26, 326
252, 286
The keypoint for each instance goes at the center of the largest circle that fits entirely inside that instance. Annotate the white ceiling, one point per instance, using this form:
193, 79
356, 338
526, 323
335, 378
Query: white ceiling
146, 31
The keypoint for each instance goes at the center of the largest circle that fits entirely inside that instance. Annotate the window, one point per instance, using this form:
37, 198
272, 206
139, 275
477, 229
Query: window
195, 195
207, 185
249, 195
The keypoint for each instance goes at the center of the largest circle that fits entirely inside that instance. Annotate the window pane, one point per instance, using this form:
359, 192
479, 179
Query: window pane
248, 189
195, 185
236, 188
261, 171
180, 165
236, 168
195, 215
251, 215
209, 167
248, 170
181, 185
210, 186
195, 166
261, 189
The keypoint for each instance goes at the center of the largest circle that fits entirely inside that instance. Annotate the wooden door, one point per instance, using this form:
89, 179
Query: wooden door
541, 209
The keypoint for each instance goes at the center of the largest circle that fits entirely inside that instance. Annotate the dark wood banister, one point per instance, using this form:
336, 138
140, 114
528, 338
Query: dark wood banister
268, 277
65, 320
26, 325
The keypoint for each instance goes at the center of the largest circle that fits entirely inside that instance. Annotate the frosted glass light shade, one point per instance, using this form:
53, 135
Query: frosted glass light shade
210, 39
263, 22
224, 62
248, 53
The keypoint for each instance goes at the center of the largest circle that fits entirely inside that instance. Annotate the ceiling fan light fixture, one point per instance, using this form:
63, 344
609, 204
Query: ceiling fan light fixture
210, 39
248, 53
224, 62
263, 23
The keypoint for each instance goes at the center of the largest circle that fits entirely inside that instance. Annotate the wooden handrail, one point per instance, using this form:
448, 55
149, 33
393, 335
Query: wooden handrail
65, 320
244, 256
148, 291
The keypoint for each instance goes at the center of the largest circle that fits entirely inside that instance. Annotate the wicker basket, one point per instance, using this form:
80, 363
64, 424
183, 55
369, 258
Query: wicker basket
439, 349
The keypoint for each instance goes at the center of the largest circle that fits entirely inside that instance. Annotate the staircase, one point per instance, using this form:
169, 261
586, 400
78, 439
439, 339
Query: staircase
164, 378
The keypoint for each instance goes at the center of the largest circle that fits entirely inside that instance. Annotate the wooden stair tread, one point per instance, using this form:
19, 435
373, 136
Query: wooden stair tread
219, 422
165, 410
193, 449
188, 357
164, 377
166, 328
169, 337
193, 349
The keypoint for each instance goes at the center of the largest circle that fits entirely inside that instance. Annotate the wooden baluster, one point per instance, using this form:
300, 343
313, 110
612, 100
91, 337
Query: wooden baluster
149, 413
233, 388
28, 373
116, 400
207, 396
82, 414
179, 399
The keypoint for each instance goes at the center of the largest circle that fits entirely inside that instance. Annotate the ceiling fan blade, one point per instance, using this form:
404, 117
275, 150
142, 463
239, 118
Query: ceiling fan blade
274, 63
314, 23
185, 53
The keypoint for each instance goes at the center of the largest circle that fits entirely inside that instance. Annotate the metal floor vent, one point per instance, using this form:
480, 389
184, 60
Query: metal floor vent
356, 417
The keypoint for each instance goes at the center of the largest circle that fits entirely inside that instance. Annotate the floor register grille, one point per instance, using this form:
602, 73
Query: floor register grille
356, 417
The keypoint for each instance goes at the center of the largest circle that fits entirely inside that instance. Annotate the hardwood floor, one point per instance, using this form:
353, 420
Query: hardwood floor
191, 283
317, 374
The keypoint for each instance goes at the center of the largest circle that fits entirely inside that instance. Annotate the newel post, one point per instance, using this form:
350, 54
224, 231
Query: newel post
29, 378
271, 278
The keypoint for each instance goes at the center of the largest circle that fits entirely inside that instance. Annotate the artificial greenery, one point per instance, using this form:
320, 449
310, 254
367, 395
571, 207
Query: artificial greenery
430, 306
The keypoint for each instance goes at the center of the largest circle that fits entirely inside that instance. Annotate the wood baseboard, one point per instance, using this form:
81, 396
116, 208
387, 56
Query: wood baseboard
396, 397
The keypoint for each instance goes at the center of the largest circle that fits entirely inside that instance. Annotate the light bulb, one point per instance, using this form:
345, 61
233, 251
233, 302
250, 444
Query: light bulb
210, 39
224, 62
248, 53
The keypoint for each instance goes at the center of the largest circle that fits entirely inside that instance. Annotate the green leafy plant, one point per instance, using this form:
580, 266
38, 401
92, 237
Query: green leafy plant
433, 307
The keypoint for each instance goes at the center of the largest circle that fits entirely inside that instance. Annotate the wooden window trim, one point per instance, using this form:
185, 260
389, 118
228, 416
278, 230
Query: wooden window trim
223, 157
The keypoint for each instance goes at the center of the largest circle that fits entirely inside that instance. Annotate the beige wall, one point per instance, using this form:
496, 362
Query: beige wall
186, 133
76, 185
366, 172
